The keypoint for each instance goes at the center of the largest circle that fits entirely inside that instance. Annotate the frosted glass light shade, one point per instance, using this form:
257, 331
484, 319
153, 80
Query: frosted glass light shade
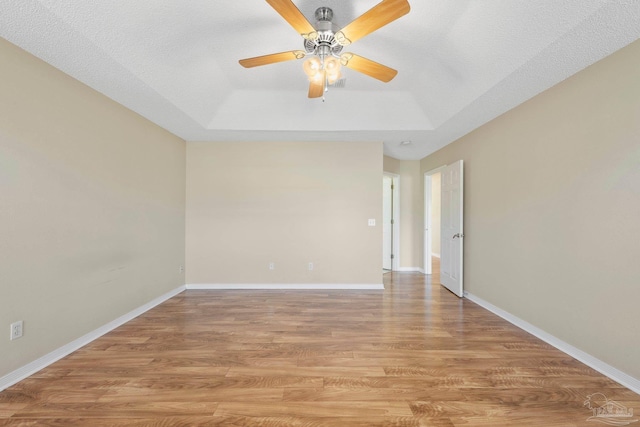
315, 72
332, 67
312, 67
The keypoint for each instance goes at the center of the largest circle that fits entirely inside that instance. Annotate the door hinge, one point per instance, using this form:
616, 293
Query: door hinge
392, 256
392, 221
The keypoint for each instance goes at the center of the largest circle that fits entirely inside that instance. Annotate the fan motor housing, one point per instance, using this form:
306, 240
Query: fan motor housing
326, 42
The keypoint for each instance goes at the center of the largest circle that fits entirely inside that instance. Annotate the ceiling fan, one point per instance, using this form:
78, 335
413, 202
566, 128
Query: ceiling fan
323, 43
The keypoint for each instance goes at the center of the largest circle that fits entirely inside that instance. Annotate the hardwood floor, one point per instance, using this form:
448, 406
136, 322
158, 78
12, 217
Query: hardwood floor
412, 355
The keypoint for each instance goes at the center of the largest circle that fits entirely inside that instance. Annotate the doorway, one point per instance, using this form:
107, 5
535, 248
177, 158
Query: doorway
432, 215
390, 221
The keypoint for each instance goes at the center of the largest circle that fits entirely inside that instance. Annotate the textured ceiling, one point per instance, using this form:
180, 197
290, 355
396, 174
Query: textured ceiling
460, 63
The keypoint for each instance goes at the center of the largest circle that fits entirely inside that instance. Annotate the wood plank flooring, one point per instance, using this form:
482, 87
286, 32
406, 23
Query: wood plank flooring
411, 355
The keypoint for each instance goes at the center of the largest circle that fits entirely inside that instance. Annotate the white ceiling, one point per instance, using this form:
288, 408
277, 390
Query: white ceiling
460, 63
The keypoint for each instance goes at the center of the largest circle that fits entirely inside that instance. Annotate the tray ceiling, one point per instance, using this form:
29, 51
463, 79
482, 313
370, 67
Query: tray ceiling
460, 63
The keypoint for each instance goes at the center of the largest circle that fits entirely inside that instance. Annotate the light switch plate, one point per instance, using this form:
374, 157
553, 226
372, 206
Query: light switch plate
372, 222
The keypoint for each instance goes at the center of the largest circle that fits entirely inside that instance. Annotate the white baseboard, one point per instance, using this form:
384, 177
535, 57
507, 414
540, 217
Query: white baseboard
410, 269
46, 360
285, 286
597, 364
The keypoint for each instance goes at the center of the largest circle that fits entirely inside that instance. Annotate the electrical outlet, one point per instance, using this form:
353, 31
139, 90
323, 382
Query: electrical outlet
16, 330
310, 266
181, 269
371, 222
272, 266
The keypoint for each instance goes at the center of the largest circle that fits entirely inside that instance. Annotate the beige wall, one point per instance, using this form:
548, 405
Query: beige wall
249, 204
411, 210
91, 208
552, 210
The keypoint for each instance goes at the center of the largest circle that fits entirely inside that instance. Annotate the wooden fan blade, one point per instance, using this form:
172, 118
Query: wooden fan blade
380, 15
316, 88
293, 16
271, 59
368, 67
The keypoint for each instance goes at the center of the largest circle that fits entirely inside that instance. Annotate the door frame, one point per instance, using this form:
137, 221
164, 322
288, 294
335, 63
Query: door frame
395, 262
426, 235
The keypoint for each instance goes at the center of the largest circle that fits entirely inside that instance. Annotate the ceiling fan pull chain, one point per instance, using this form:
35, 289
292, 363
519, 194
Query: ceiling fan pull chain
326, 85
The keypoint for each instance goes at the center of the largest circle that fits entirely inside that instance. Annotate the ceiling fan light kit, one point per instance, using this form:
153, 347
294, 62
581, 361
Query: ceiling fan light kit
323, 43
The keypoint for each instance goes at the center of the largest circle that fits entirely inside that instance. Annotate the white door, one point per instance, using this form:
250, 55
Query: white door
451, 238
427, 224
387, 222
